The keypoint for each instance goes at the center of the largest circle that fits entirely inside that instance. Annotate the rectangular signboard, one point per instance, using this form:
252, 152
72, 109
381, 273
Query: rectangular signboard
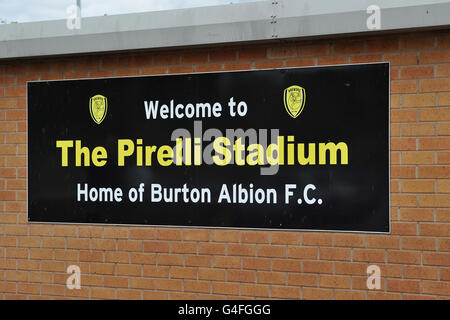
297, 148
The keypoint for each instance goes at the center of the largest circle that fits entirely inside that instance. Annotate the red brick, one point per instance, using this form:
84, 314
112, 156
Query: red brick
398, 256
196, 235
403, 200
253, 54
419, 243
417, 72
115, 233
418, 43
300, 279
348, 47
444, 245
314, 50
416, 214
382, 45
156, 271
170, 259
371, 58
211, 248
368, 255
128, 294
166, 59
331, 60
141, 283
209, 67
141, 60
285, 238
283, 292
183, 273
271, 251
403, 285
402, 59
443, 215
129, 245
317, 266
194, 57
237, 66
433, 229
335, 254
300, 62
28, 288
435, 56
222, 55
440, 114
102, 268
181, 69
317, 294
103, 293
271, 277
143, 258
8, 127
183, 247
128, 270
126, 72
443, 157
241, 250
255, 290
268, 64
403, 172
436, 201
256, 263
351, 268
417, 130
286, 265
383, 242
349, 295
434, 85
227, 262
225, 288
153, 70
283, 52
404, 86
442, 70
329, 281
316, 239
198, 261
241, 276
154, 295
156, 246
211, 274
197, 286
436, 287
420, 272
419, 186
403, 144
419, 100
225, 236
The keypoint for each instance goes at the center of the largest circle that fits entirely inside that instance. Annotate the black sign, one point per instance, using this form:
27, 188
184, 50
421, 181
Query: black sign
302, 148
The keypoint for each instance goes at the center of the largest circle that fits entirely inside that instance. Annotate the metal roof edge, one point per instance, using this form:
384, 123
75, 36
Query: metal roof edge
218, 25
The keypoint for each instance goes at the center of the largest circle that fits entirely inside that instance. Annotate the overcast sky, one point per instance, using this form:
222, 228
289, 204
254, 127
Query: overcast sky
38, 10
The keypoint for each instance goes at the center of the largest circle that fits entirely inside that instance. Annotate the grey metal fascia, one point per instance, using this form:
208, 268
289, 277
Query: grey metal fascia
217, 25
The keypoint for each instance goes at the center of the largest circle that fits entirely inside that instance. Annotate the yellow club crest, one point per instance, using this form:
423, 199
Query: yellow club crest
294, 99
98, 106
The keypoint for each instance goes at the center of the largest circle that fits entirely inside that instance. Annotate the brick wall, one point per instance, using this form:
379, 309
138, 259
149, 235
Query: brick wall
161, 263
